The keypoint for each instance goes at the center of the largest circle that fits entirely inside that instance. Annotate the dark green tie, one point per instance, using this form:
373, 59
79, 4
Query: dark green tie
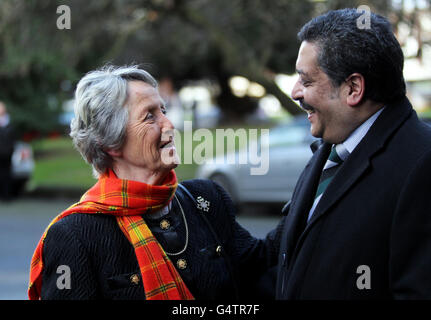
329, 170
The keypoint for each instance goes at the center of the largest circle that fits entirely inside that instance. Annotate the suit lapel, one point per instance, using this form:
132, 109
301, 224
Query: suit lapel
357, 163
295, 220
303, 197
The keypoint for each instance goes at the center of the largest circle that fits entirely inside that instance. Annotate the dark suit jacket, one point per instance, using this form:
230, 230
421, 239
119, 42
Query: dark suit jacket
373, 224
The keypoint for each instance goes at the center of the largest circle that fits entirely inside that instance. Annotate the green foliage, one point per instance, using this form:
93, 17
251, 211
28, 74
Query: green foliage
183, 40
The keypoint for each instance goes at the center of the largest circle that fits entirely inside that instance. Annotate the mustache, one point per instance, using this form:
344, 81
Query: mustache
305, 106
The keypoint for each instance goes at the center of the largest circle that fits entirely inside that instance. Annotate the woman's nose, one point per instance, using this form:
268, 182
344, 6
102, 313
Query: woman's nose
166, 124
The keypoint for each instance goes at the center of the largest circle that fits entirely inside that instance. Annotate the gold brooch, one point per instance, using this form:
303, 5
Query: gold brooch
182, 263
164, 224
134, 278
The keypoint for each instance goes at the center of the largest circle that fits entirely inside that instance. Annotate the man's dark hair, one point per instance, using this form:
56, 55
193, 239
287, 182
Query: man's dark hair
344, 49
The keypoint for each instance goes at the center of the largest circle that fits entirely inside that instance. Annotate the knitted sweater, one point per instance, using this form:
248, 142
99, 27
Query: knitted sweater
103, 264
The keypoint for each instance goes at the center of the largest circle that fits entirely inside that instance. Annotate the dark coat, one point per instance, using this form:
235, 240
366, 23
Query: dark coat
102, 262
7, 143
7, 140
375, 214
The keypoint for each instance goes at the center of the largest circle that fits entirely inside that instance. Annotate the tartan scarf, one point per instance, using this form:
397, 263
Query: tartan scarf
127, 200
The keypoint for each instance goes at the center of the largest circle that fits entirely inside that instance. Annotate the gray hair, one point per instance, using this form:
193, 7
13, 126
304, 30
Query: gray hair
101, 117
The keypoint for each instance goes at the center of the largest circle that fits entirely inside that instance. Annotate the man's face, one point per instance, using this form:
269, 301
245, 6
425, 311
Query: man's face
149, 144
323, 103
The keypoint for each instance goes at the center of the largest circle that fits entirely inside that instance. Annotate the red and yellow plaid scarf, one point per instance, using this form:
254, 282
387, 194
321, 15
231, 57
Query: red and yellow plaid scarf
127, 201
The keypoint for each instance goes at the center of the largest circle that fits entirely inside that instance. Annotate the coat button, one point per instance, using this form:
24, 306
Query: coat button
181, 264
134, 278
164, 224
219, 250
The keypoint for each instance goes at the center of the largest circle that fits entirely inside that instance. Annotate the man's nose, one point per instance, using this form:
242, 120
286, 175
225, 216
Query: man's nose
297, 91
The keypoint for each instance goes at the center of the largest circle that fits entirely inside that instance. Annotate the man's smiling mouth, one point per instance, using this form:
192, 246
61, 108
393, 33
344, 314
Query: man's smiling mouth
306, 107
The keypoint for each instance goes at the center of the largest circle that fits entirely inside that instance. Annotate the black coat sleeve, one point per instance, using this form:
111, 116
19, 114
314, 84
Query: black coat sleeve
255, 259
63, 256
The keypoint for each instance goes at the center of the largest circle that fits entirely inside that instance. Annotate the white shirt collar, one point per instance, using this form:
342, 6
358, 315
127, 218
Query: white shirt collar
356, 136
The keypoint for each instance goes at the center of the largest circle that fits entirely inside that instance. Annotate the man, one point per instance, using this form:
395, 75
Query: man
358, 225
6, 150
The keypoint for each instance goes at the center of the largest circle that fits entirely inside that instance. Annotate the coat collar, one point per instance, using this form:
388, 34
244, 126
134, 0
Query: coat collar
315, 145
301, 202
303, 196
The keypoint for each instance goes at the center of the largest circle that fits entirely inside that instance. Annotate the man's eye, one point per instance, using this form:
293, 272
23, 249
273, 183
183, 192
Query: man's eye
305, 82
164, 111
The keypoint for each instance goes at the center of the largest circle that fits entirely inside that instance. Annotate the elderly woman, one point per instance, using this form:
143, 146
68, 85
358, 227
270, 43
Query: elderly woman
137, 233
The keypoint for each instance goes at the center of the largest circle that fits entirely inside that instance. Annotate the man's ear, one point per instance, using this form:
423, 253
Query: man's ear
114, 153
355, 84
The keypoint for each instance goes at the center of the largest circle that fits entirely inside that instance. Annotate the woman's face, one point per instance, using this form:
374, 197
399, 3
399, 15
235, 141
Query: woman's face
149, 150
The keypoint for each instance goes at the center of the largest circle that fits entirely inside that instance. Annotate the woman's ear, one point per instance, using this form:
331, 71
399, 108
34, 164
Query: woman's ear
114, 153
356, 89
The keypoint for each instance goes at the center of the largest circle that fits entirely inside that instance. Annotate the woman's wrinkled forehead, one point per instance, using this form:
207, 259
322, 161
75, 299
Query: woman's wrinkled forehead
142, 97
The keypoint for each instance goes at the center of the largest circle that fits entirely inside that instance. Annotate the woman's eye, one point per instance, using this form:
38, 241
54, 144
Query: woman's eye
149, 116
